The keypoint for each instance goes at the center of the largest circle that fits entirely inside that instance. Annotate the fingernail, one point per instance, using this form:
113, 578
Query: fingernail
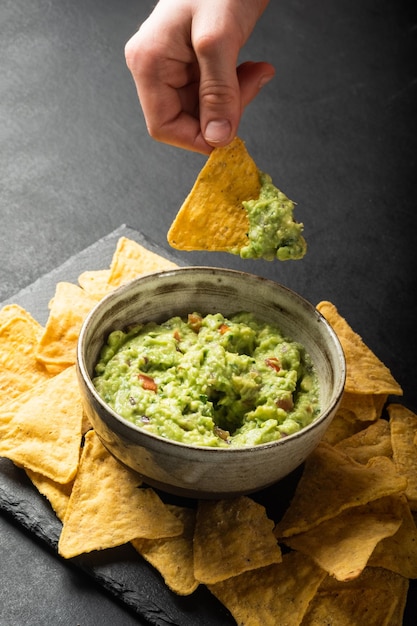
264, 80
217, 131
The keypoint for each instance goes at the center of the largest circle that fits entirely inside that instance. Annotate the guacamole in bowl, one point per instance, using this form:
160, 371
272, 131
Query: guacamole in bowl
209, 382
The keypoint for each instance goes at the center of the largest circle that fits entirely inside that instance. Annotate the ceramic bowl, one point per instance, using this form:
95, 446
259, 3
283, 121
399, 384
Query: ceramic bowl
197, 471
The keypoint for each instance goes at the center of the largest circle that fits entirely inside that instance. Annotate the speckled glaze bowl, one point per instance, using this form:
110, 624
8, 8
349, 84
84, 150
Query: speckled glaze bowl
196, 471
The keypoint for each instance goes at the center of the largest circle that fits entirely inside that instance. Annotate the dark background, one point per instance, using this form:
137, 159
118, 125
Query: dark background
336, 129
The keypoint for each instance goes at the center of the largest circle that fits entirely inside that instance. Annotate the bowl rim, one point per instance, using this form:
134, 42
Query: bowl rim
234, 450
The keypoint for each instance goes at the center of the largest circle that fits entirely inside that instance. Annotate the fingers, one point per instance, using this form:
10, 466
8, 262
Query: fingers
184, 64
166, 74
216, 41
222, 100
219, 94
252, 77
217, 38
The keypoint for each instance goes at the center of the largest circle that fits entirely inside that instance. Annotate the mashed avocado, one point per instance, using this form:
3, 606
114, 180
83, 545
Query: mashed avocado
208, 380
273, 233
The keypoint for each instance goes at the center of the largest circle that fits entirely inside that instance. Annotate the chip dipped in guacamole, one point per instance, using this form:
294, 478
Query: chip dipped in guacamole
209, 380
234, 207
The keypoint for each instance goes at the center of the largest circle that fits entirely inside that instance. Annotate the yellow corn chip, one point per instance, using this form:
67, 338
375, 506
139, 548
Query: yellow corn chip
393, 586
375, 440
19, 369
351, 607
379, 400
95, 282
276, 595
131, 260
11, 311
57, 494
107, 507
44, 428
343, 544
364, 407
173, 556
341, 427
86, 424
365, 373
231, 537
212, 216
398, 553
68, 309
403, 424
333, 482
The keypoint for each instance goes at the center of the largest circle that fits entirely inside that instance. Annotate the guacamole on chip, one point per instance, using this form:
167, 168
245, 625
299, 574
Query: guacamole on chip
209, 380
272, 232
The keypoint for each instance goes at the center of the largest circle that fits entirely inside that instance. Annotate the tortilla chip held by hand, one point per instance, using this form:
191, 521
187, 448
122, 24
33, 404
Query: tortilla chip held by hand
212, 216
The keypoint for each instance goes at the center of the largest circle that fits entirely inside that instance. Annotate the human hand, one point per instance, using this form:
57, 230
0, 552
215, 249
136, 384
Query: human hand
183, 60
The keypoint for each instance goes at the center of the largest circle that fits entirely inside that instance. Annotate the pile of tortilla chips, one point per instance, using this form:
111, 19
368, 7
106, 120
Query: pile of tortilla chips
342, 553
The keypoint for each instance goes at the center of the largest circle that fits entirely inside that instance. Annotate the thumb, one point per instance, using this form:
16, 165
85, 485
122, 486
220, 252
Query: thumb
219, 96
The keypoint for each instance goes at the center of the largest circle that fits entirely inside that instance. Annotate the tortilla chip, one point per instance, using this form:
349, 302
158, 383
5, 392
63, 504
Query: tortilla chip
107, 507
343, 544
375, 440
173, 556
212, 216
95, 282
395, 588
19, 369
131, 260
398, 553
44, 428
11, 311
403, 424
364, 407
232, 537
365, 373
351, 607
86, 424
58, 495
341, 427
274, 595
379, 400
68, 309
333, 482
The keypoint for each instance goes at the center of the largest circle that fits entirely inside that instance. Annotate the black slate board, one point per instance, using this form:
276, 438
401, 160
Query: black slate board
121, 571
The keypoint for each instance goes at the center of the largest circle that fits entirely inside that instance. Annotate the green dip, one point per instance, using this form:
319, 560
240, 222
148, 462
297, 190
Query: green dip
209, 381
273, 233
